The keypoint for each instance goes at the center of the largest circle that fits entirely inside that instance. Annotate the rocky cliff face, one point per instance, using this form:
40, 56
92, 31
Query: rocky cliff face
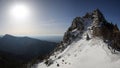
86, 28
99, 27
93, 24
74, 30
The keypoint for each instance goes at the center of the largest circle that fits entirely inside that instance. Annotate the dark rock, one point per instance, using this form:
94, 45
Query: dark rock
58, 65
87, 37
49, 62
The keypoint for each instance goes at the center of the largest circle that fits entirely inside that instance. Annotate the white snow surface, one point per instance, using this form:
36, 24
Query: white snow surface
84, 53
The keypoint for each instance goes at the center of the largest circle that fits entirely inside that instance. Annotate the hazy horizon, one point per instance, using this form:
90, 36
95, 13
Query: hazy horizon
50, 38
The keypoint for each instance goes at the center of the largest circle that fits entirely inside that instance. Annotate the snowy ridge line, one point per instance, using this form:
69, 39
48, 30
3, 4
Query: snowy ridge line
85, 45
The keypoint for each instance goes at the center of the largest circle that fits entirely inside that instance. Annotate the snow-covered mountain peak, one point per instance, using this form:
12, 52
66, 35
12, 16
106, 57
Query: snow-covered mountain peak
90, 42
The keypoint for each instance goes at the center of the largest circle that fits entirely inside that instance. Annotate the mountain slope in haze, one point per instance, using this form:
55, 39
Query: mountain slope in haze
22, 45
90, 42
15, 51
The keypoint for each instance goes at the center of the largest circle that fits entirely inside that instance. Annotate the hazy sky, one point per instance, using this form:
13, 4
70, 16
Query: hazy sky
36, 17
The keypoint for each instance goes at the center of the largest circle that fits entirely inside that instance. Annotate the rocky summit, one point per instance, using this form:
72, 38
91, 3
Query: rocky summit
97, 25
90, 42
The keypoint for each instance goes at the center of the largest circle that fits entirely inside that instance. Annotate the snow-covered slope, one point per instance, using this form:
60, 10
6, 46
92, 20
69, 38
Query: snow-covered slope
85, 54
85, 45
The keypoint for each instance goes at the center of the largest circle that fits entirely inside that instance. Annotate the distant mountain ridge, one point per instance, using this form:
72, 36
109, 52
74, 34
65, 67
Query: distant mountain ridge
15, 51
20, 45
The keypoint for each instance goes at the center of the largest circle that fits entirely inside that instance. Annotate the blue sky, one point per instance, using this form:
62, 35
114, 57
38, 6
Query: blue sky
54, 16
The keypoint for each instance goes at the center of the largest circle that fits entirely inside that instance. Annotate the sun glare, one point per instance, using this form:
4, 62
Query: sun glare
19, 11
19, 18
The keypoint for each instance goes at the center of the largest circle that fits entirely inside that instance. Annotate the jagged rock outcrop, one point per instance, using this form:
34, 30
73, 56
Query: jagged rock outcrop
74, 30
99, 25
79, 25
91, 25
98, 18
94, 23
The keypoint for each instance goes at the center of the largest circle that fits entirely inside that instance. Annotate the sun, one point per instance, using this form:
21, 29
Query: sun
19, 11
